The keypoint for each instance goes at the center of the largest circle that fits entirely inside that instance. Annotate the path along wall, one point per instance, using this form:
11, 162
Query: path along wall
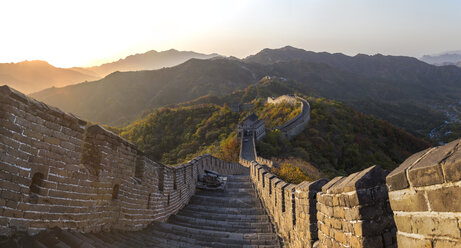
348, 211
417, 205
292, 208
296, 125
425, 195
59, 171
351, 211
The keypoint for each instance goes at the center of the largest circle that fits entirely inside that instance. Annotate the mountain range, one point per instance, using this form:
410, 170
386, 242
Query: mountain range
410, 93
150, 60
33, 76
447, 58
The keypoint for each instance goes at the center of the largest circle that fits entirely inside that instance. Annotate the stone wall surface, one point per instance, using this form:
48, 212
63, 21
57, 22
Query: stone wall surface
425, 195
292, 208
291, 99
354, 211
416, 205
295, 126
59, 171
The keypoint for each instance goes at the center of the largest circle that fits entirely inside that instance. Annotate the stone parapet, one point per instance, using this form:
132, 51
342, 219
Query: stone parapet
292, 208
425, 195
354, 211
59, 171
295, 126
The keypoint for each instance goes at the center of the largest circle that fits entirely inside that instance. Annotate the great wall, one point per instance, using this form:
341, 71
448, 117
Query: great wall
296, 125
67, 183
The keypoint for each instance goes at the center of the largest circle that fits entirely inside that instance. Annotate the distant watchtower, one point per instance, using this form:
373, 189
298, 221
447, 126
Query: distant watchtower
252, 125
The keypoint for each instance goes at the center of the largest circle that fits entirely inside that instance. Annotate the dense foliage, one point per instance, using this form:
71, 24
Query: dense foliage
402, 90
276, 114
290, 173
339, 140
173, 135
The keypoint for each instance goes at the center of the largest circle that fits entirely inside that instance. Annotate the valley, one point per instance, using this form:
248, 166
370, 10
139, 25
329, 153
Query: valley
398, 89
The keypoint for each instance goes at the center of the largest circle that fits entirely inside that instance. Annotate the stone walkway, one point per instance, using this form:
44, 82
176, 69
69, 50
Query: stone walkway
234, 218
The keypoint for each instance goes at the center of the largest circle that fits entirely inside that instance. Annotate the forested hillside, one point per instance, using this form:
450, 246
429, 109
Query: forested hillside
337, 141
173, 135
405, 91
340, 141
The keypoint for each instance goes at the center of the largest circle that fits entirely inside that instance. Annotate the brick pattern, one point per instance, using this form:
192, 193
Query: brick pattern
416, 205
425, 195
59, 171
351, 211
292, 208
354, 211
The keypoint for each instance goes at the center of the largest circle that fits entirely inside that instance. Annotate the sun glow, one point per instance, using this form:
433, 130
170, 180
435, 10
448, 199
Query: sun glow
82, 33
76, 33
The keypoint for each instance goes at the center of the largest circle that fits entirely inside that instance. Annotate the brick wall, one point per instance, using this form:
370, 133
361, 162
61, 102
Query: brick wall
425, 195
295, 126
291, 99
416, 205
292, 208
59, 171
354, 211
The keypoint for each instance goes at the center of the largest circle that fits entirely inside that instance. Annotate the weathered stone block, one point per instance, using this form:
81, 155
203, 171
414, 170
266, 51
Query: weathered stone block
406, 241
440, 243
408, 200
341, 237
52, 140
436, 225
403, 223
332, 182
446, 199
451, 165
397, 179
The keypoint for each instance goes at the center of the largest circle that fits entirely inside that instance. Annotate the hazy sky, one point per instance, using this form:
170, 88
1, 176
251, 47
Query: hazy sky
80, 32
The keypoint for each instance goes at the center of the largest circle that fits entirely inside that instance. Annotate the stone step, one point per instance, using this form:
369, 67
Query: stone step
97, 242
226, 202
225, 210
162, 242
239, 178
246, 185
209, 237
170, 237
230, 195
219, 225
223, 216
228, 191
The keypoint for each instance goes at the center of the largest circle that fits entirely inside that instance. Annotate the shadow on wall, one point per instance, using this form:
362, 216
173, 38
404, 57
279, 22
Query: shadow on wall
54, 164
354, 211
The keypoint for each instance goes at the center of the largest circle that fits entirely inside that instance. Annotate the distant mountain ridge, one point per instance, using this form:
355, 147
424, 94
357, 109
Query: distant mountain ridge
448, 58
35, 75
396, 83
376, 66
121, 97
150, 60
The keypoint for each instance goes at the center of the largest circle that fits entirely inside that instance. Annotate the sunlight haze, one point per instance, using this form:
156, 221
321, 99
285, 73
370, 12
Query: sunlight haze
85, 33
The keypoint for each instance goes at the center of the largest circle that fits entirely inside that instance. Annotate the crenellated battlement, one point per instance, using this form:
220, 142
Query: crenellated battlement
416, 205
60, 171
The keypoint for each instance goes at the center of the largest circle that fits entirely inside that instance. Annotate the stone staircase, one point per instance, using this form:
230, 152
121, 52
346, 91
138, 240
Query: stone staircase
234, 218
